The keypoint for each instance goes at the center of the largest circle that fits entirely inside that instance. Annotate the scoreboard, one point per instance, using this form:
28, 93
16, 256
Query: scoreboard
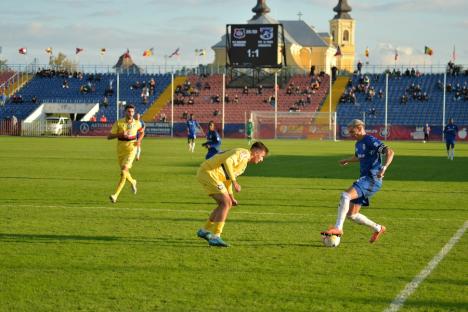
253, 45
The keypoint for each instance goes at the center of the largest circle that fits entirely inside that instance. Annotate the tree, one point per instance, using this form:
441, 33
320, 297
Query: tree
61, 62
3, 65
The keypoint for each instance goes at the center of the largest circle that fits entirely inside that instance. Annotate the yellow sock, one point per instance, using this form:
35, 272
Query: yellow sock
218, 228
129, 177
208, 225
121, 184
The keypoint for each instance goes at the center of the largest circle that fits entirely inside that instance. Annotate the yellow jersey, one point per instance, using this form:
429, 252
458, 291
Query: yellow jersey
230, 164
129, 128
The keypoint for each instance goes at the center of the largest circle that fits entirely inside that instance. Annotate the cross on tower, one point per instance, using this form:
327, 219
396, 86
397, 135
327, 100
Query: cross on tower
300, 15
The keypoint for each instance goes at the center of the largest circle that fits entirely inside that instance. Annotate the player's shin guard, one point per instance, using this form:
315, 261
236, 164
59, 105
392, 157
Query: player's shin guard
342, 210
138, 153
362, 219
121, 184
218, 228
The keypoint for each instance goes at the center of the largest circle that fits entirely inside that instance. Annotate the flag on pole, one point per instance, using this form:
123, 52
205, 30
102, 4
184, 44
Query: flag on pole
202, 52
396, 55
148, 52
127, 54
338, 52
367, 52
103, 51
22, 50
454, 55
175, 53
0, 50
428, 51
78, 50
49, 50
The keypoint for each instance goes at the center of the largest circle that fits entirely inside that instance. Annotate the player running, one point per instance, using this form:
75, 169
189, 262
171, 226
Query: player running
450, 133
213, 141
218, 175
368, 152
192, 127
138, 152
125, 130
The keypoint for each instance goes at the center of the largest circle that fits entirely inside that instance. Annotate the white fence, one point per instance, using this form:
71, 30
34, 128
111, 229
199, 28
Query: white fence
35, 129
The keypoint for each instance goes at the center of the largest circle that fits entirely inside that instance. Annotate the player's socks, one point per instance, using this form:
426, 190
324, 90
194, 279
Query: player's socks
342, 210
138, 153
218, 228
193, 147
121, 184
208, 225
362, 219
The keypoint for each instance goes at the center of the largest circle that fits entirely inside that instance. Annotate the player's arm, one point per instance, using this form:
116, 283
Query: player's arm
229, 169
389, 153
228, 185
349, 160
114, 133
142, 135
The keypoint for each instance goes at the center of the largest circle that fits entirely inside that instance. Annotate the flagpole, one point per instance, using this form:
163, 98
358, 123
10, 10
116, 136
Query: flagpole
386, 106
276, 104
172, 104
118, 95
443, 104
224, 95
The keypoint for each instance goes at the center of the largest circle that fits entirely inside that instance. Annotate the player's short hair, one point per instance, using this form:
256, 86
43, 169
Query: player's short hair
356, 123
129, 106
260, 146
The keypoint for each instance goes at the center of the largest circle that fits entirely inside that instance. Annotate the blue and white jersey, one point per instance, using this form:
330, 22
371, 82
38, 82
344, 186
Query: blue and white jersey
369, 150
192, 126
450, 132
214, 141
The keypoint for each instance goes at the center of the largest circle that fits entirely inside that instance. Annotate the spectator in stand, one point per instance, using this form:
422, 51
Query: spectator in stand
312, 71
272, 100
380, 94
152, 84
297, 90
215, 99
289, 90
103, 119
92, 119
260, 89
245, 90
145, 95
207, 86
216, 112
162, 117
404, 99
17, 98
3, 99
34, 99
105, 102
359, 67
191, 101
309, 99
135, 86
65, 84
373, 112
226, 98
370, 94
185, 115
236, 99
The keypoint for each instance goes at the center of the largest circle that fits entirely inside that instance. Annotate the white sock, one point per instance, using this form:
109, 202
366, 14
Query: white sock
452, 152
342, 210
193, 147
362, 219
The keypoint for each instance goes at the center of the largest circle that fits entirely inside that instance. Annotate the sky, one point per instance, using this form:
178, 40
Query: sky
118, 25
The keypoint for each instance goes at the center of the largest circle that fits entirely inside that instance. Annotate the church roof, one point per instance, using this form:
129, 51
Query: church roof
295, 32
303, 34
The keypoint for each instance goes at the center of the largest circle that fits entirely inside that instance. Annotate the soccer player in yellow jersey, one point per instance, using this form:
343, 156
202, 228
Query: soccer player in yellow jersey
218, 175
125, 130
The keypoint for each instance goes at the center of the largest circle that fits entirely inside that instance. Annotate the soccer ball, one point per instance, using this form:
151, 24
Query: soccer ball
331, 240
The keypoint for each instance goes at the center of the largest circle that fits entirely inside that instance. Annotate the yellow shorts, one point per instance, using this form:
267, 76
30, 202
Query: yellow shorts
126, 156
211, 182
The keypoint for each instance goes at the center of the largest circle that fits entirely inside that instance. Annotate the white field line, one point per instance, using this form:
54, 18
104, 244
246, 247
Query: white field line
202, 211
399, 300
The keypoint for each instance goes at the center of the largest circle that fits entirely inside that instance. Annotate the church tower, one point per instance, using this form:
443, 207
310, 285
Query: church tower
342, 29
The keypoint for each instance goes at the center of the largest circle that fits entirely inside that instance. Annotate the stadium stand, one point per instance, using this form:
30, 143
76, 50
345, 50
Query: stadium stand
420, 108
52, 87
207, 93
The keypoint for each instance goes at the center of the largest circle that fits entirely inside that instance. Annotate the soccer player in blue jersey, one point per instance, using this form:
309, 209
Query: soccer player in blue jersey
192, 126
213, 141
138, 152
368, 152
450, 133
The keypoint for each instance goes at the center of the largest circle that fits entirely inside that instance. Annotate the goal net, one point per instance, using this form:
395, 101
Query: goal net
294, 125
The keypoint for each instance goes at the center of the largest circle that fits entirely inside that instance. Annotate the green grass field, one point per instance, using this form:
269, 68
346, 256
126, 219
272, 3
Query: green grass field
65, 247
